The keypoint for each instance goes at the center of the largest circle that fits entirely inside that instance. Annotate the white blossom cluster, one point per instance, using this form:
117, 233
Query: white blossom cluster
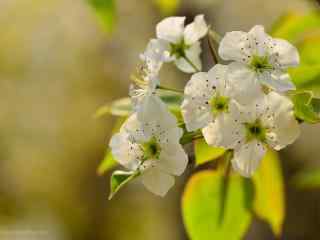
240, 106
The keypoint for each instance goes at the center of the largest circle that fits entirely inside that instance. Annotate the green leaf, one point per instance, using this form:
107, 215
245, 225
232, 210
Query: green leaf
123, 106
305, 108
294, 26
167, 7
109, 162
201, 207
105, 11
204, 153
120, 107
306, 76
308, 179
269, 202
120, 179
309, 49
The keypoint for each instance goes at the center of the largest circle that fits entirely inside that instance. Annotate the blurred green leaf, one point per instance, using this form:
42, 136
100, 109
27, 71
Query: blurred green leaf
109, 162
105, 10
123, 106
120, 179
294, 26
307, 179
305, 108
167, 7
309, 49
204, 153
306, 76
269, 202
201, 207
120, 107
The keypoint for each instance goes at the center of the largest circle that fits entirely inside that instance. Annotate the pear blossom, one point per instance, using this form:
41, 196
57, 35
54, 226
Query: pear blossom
151, 147
147, 78
258, 57
206, 98
181, 43
268, 121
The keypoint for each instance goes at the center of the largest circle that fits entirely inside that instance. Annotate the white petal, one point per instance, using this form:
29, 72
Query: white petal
173, 159
193, 54
234, 46
134, 127
195, 108
258, 40
124, 152
247, 158
195, 30
244, 86
287, 54
277, 80
157, 181
217, 76
171, 29
158, 50
154, 110
285, 129
224, 132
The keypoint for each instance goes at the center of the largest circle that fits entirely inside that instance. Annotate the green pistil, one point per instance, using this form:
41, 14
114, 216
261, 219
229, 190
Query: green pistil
219, 104
178, 49
255, 130
260, 64
151, 149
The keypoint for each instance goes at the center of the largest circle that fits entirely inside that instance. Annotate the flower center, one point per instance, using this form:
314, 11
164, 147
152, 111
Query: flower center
219, 104
178, 49
255, 130
151, 149
260, 64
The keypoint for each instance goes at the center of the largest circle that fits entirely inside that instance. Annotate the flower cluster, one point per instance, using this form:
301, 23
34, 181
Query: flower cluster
240, 105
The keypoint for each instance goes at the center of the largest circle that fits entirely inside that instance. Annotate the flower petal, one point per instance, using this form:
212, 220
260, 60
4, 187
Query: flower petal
173, 159
286, 129
234, 46
152, 109
125, 152
259, 40
285, 53
157, 50
156, 181
171, 29
217, 76
247, 158
195, 30
224, 132
193, 54
195, 108
244, 86
277, 80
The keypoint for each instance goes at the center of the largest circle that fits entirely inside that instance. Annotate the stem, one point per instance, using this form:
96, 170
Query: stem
189, 137
213, 51
191, 63
169, 89
214, 35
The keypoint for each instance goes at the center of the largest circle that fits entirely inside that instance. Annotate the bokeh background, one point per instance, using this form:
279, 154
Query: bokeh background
57, 66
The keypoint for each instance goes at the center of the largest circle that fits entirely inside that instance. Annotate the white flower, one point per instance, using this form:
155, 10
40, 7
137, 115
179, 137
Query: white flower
209, 98
268, 121
151, 147
147, 78
259, 57
181, 43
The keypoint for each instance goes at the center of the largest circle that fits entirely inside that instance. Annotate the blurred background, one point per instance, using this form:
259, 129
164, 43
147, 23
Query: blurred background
57, 66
